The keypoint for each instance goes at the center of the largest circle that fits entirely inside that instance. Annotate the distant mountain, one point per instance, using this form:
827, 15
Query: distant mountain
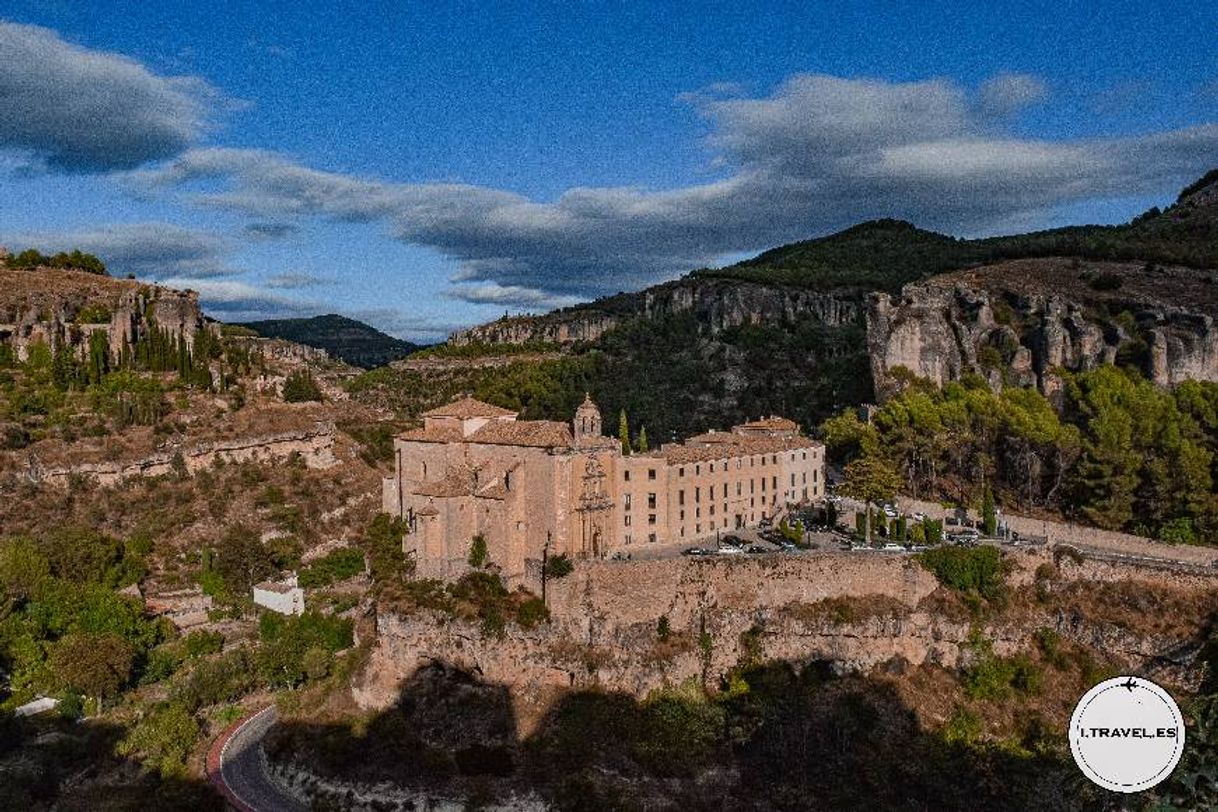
787, 330
886, 254
352, 341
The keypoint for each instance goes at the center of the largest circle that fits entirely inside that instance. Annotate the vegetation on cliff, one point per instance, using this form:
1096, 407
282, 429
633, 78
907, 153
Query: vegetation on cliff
75, 260
1121, 454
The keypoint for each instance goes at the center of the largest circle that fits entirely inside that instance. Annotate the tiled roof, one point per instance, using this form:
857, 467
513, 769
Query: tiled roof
278, 587
466, 407
741, 446
771, 424
447, 434
539, 433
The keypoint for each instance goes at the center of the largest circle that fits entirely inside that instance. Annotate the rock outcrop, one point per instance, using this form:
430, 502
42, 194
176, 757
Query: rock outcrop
1019, 323
717, 304
60, 308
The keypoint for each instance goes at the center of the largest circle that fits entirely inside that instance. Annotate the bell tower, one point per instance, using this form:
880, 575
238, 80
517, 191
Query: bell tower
587, 423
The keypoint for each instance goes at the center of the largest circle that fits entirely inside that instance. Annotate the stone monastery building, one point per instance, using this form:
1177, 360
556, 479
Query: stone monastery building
473, 468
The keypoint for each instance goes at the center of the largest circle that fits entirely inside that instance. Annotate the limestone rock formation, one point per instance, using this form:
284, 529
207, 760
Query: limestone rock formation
1019, 323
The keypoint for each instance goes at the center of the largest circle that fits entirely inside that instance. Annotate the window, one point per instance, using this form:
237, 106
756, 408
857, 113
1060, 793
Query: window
681, 497
627, 519
651, 473
774, 484
698, 494
712, 491
805, 493
763, 484
651, 518
627, 538
627, 498
682, 532
752, 486
712, 468
698, 528
651, 501
805, 455
697, 470
681, 471
682, 515
697, 513
804, 478
813, 474
774, 459
507, 480
651, 538
792, 479
712, 510
737, 488
626, 474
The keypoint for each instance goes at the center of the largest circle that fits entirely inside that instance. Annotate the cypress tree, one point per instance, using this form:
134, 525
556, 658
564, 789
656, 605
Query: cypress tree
623, 431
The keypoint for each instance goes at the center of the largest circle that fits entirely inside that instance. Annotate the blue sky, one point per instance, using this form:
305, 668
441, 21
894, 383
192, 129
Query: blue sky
428, 166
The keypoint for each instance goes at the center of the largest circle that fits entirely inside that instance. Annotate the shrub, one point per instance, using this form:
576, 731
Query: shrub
532, 612
287, 640
663, 628
200, 643
164, 737
300, 387
478, 552
338, 565
559, 566
978, 569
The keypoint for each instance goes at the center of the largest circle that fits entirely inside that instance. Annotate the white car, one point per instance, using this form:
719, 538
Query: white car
890, 547
728, 549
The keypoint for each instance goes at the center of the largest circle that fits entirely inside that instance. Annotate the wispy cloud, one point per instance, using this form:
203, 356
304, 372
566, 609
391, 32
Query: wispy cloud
293, 281
818, 153
85, 110
149, 250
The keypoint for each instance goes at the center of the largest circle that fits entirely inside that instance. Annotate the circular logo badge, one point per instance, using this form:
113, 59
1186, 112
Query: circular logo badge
1127, 734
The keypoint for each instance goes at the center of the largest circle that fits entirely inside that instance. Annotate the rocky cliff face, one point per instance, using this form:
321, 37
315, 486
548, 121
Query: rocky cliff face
1017, 323
717, 304
58, 308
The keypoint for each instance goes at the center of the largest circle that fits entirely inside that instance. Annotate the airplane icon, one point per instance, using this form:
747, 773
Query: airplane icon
1129, 685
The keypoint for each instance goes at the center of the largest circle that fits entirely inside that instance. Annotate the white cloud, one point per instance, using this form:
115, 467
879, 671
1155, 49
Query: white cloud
818, 154
85, 110
152, 250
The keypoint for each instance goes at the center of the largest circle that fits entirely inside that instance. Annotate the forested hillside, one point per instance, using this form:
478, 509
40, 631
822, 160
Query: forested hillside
345, 339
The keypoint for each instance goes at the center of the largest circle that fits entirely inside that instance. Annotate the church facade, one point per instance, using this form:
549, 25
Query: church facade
532, 486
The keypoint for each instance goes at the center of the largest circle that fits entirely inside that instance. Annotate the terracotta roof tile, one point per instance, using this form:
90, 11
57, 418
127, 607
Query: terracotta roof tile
467, 407
539, 433
771, 424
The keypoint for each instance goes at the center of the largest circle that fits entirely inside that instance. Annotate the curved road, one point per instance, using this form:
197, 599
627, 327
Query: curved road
234, 766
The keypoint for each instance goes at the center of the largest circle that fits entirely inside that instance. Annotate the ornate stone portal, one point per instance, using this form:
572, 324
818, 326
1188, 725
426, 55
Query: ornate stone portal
595, 509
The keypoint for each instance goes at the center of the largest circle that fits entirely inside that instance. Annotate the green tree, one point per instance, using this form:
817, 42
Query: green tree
241, 559
623, 431
989, 513
478, 552
163, 738
870, 479
300, 387
93, 665
641, 443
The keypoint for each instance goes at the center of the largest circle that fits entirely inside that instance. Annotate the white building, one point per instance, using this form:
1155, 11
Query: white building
285, 597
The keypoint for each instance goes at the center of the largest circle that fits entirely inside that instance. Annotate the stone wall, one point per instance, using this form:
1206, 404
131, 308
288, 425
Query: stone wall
604, 624
316, 447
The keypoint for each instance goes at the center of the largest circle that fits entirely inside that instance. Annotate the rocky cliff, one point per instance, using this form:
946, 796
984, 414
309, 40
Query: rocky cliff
1018, 323
58, 307
716, 304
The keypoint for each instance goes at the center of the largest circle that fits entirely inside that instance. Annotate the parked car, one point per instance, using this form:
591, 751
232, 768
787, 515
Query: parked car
890, 511
735, 541
697, 551
728, 549
787, 547
918, 516
966, 535
893, 547
756, 549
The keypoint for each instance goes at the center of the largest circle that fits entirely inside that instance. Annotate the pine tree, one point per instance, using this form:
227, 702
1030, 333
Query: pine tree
623, 431
989, 515
641, 444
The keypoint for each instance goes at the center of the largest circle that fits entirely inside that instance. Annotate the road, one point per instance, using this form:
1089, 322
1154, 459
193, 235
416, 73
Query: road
234, 766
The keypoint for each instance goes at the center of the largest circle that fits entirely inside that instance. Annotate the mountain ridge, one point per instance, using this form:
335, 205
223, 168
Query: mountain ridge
347, 339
